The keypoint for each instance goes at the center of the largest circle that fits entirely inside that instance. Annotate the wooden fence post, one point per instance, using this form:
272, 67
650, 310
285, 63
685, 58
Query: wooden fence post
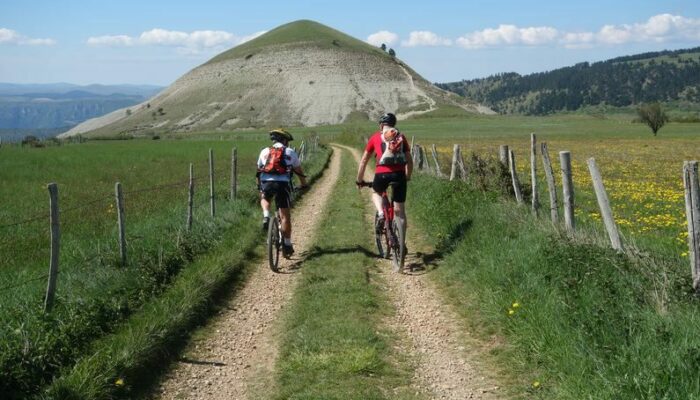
462, 167
604, 204
455, 162
568, 190
514, 177
234, 172
301, 152
415, 154
55, 247
212, 202
438, 170
424, 158
692, 212
503, 155
551, 186
533, 173
190, 198
120, 222
413, 140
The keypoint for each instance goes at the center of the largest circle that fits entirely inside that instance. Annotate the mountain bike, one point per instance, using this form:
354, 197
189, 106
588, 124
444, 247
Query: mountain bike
274, 232
390, 238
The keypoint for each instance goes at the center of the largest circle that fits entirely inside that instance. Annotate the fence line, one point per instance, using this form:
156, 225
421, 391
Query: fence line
119, 195
691, 179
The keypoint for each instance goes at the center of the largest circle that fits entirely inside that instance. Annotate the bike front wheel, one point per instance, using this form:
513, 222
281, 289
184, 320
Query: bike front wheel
398, 255
274, 244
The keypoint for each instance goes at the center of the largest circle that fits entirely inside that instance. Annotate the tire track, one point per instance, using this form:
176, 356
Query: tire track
445, 368
238, 356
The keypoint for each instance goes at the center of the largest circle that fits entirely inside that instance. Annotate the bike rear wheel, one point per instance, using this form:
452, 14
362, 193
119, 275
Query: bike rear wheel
274, 244
398, 254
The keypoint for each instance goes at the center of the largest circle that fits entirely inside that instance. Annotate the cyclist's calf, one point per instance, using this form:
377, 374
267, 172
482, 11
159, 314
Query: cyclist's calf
286, 219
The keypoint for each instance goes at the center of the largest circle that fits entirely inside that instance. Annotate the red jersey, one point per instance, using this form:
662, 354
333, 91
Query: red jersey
387, 161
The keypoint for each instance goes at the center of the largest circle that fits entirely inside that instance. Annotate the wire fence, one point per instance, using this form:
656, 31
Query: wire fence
461, 170
89, 205
85, 206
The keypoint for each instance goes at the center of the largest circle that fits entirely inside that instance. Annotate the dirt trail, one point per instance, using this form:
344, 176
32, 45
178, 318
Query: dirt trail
238, 356
445, 368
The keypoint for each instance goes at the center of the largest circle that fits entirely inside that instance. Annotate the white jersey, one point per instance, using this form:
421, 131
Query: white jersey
290, 157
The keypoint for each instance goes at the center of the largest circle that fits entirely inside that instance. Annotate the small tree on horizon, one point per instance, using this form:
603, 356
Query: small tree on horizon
653, 116
392, 53
383, 46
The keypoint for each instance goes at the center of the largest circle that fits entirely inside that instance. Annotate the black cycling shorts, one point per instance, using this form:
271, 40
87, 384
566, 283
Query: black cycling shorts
381, 183
282, 191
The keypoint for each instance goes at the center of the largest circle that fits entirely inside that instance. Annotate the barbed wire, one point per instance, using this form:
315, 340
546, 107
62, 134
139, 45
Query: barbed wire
16, 285
198, 204
85, 205
44, 216
37, 217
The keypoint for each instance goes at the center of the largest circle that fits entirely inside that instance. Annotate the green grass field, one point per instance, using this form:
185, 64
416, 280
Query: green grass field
546, 275
94, 292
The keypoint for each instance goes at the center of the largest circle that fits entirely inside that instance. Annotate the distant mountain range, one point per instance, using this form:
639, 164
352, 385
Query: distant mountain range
49, 109
666, 76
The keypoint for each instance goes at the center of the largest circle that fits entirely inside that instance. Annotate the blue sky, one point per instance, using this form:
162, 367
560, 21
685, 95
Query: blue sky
155, 42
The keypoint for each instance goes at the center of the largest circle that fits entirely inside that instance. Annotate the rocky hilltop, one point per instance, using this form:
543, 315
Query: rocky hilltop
299, 74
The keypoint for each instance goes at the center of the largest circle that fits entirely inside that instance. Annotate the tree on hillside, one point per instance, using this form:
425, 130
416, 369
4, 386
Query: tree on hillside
383, 46
392, 53
653, 115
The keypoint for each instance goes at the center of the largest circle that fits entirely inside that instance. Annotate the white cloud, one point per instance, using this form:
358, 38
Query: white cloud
509, 35
9, 36
187, 43
659, 28
386, 37
111, 41
425, 38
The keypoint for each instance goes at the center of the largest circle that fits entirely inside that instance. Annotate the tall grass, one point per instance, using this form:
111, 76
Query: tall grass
579, 320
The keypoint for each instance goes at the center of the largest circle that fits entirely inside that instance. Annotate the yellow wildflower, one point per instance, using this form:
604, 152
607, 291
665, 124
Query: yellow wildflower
516, 305
536, 384
119, 382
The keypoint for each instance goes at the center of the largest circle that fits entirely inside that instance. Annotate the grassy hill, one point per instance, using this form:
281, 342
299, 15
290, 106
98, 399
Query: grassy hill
302, 33
667, 76
299, 74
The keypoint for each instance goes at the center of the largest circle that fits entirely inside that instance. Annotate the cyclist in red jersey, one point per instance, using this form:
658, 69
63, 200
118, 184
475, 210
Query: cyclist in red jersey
393, 164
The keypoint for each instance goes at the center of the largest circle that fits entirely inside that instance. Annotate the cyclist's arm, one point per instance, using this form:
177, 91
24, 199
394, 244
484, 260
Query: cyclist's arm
300, 173
363, 164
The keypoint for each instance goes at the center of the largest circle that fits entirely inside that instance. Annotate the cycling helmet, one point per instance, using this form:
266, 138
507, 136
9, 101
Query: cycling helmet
279, 135
388, 119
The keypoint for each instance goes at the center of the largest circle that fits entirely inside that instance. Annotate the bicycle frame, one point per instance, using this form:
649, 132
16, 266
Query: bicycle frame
388, 207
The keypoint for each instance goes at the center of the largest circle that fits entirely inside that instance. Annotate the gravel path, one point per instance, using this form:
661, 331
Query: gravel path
446, 366
237, 357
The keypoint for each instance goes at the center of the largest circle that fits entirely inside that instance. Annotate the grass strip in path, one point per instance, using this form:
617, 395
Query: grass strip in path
333, 344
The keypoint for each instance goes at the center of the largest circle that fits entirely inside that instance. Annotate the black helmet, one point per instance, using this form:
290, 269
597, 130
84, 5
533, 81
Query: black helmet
389, 119
279, 135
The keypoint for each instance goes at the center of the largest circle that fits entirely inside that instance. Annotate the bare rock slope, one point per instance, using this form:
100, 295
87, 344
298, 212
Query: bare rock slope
299, 74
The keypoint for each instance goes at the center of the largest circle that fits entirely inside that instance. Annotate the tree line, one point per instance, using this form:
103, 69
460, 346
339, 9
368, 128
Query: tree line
624, 81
